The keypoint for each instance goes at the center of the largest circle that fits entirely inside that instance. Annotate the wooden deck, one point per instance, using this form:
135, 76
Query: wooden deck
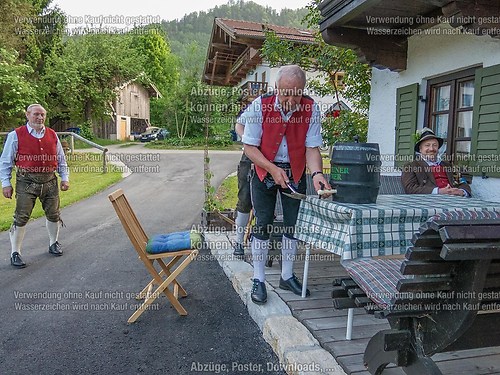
329, 326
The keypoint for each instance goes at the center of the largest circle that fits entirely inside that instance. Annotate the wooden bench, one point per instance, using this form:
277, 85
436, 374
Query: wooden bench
444, 296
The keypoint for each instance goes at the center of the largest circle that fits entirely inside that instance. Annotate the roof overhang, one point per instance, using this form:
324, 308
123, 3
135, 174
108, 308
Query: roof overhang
378, 30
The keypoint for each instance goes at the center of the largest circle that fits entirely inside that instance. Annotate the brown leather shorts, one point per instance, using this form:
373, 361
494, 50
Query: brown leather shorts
29, 187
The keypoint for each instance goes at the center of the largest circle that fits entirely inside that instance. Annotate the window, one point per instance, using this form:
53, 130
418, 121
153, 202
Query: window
449, 112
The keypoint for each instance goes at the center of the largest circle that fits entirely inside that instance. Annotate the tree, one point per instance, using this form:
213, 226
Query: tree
161, 66
80, 82
328, 60
16, 90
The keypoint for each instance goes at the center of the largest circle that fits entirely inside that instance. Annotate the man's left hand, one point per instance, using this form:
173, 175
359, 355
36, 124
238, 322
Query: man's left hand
64, 185
320, 183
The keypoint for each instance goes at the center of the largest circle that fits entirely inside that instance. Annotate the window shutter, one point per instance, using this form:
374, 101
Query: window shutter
406, 123
485, 140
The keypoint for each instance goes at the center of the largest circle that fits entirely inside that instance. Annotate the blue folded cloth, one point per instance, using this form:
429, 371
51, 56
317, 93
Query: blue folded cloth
176, 241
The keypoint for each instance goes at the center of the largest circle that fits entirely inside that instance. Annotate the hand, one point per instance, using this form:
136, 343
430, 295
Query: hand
64, 185
7, 192
451, 191
280, 177
320, 183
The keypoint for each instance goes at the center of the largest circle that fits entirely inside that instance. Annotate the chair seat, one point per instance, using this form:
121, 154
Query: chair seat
376, 277
176, 241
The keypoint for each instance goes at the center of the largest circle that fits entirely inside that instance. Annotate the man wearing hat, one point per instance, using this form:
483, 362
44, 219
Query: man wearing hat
428, 174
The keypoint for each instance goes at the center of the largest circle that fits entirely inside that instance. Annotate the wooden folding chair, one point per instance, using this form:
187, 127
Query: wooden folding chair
167, 276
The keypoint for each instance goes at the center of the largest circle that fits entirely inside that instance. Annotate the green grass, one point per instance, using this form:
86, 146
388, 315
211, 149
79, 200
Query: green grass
159, 145
226, 196
100, 141
86, 179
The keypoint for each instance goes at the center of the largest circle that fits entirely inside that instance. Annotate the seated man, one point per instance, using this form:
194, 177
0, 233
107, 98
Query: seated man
428, 174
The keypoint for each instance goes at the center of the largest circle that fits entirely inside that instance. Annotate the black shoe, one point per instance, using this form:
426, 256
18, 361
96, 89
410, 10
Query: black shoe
55, 249
293, 284
259, 293
16, 260
238, 249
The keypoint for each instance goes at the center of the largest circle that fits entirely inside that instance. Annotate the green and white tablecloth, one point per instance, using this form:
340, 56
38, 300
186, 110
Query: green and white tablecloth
382, 228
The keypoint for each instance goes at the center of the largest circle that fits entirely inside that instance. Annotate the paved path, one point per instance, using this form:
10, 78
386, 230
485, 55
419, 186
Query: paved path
77, 321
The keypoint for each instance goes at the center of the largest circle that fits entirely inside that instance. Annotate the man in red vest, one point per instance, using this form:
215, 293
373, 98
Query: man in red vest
282, 135
37, 154
428, 174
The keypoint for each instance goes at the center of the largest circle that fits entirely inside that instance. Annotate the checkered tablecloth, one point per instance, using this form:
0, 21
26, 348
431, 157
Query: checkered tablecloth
382, 228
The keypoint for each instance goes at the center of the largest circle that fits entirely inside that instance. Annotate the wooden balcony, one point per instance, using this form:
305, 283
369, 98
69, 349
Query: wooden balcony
252, 89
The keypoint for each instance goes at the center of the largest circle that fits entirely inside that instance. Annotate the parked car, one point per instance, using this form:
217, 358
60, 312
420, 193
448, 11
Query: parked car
154, 133
73, 130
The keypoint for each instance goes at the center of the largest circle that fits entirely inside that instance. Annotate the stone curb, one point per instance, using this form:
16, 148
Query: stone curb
298, 351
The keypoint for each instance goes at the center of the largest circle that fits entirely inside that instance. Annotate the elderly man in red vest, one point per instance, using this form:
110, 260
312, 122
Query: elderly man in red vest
428, 174
282, 135
37, 154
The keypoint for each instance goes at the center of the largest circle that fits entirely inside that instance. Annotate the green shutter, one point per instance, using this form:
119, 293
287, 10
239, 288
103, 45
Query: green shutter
485, 142
406, 123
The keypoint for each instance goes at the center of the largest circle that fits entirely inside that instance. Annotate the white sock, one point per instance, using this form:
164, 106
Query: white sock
16, 235
260, 248
288, 253
241, 224
53, 229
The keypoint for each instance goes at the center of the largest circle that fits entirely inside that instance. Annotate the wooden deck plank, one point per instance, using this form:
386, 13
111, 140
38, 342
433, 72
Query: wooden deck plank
319, 324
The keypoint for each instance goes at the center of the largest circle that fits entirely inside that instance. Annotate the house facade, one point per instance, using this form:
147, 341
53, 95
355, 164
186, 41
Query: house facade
435, 64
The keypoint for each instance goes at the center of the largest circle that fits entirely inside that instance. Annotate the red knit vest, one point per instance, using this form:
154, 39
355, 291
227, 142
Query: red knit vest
36, 155
440, 176
274, 128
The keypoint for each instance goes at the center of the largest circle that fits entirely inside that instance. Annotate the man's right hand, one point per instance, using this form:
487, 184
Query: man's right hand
7, 192
280, 177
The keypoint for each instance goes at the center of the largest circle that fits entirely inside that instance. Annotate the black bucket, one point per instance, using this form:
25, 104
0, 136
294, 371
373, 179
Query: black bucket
355, 172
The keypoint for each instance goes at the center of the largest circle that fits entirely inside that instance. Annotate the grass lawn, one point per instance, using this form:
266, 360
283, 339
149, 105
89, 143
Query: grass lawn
226, 196
86, 179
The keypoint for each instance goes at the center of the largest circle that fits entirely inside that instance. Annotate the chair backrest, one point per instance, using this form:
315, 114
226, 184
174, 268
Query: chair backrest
129, 221
390, 185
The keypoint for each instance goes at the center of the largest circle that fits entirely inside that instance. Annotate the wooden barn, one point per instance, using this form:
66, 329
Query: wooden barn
130, 111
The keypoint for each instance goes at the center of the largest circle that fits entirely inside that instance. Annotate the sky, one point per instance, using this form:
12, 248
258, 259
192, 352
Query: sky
150, 10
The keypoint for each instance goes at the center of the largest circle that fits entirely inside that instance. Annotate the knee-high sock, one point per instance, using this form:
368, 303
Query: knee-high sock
288, 252
241, 224
260, 248
16, 235
53, 229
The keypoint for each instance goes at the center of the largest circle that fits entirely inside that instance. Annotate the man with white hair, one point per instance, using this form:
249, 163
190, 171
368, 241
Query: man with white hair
282, 135
37, 154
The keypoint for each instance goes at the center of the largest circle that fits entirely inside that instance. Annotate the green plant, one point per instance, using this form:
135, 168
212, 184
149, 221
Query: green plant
182, 129
209, 204
86, 130
345, 127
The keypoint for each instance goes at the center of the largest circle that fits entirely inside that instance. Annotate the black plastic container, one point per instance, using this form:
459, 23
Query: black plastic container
355, 172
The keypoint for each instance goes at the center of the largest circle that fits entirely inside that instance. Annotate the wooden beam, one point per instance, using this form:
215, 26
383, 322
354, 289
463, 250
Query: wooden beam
472, 16
340, 12
379, 51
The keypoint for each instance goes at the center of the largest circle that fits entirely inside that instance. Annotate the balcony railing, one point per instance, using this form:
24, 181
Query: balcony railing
251, 89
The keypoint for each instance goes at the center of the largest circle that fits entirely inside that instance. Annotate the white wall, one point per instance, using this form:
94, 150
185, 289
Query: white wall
441, 52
